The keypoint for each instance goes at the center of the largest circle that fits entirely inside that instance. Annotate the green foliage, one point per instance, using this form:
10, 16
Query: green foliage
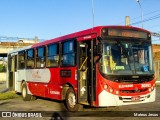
8, 95
2, 68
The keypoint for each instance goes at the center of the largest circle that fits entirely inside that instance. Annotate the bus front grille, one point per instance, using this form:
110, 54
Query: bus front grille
133, 91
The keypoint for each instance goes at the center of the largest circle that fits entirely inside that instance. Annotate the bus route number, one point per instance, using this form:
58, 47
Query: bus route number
145, 85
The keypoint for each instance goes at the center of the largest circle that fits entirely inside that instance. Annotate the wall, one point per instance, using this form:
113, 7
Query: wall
3, 76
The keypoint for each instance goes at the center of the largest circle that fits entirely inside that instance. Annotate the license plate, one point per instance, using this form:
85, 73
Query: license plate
136, 98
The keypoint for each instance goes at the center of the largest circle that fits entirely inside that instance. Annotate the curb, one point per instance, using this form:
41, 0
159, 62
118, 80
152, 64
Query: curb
4, 90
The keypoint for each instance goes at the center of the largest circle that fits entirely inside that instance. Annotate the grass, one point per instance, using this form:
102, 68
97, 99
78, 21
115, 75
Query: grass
8, 95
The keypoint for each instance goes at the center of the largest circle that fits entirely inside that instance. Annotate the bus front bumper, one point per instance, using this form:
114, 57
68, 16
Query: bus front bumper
107, 99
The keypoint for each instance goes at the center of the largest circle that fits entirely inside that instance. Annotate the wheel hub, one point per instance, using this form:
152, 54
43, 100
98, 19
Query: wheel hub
71, 100
24, 92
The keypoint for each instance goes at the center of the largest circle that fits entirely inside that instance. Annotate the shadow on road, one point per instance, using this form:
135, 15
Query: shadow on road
56, 116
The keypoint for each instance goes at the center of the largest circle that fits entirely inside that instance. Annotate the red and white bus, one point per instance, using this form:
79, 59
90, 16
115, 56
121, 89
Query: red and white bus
102, 66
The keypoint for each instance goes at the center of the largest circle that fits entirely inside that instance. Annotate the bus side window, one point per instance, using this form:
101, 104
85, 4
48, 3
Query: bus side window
68, 53
30, 59
40, 57
21, 60
53, 55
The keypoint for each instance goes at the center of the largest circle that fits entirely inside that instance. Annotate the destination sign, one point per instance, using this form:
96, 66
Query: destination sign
124, 33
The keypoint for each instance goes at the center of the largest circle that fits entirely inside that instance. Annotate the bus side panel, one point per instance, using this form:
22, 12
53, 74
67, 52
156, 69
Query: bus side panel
53, 91
37, 79
68, 75
60, 77
37, 89
53, 88
21, 75
55, 73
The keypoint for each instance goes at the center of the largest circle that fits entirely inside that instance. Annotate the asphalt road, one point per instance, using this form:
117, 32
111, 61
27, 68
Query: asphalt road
50, 109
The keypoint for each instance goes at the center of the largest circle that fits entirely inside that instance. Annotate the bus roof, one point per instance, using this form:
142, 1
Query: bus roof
93, 30
96, 30
20, 49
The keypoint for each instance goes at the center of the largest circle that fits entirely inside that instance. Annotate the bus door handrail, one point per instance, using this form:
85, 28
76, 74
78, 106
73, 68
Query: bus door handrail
81, 77
83, 63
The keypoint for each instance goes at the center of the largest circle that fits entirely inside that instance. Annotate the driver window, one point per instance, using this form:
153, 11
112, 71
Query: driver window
116, 54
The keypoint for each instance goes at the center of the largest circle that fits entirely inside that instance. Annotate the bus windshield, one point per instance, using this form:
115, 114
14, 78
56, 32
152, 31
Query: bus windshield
126, 58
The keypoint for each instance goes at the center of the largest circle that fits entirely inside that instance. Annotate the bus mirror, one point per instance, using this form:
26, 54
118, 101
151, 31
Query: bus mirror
99, 48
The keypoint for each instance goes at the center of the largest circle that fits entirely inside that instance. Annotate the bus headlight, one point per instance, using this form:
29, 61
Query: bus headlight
152, 88
154, 85
117, 92
111, 90
105, 86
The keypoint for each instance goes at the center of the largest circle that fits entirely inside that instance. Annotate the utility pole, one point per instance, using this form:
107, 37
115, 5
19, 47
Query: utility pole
93, 12
141, 11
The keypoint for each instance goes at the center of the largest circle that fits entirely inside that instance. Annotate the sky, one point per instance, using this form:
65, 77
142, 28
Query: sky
49, 19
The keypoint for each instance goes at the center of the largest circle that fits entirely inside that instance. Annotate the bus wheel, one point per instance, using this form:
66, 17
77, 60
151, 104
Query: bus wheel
70, 101
25, 95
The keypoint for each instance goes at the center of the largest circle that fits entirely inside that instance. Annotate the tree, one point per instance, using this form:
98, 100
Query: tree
2, 68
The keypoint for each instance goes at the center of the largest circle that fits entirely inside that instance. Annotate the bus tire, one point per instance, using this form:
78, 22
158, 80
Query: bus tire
70, 101
25, 95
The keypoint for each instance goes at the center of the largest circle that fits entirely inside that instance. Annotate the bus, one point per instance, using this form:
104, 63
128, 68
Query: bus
100, 67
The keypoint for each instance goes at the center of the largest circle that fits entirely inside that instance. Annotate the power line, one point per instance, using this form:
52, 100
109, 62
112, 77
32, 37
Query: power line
146, 14
148, 19
153, 26
152, 12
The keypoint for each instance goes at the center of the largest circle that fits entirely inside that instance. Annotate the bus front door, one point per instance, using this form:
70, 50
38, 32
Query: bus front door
84, 65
